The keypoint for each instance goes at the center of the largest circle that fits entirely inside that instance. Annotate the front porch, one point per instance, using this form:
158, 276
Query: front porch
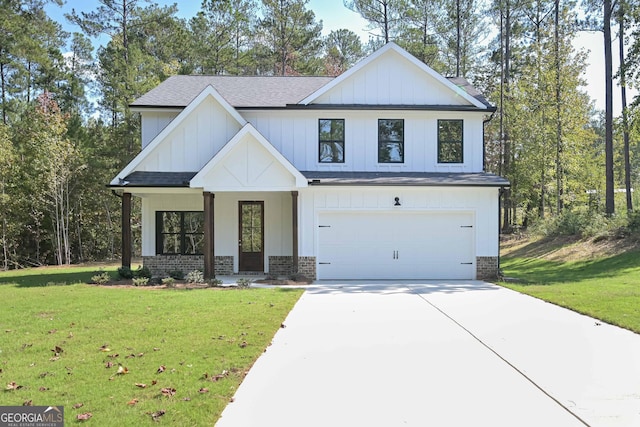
218, 244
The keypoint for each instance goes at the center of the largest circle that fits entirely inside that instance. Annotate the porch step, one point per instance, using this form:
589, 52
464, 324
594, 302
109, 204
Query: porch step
249, 273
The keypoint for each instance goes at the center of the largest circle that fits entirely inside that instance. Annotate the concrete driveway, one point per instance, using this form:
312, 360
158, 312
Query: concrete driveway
439, 354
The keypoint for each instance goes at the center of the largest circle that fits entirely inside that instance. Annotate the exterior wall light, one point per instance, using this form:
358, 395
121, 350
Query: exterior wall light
397, 202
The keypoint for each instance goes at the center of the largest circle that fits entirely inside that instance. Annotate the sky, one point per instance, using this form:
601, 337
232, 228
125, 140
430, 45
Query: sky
335, 15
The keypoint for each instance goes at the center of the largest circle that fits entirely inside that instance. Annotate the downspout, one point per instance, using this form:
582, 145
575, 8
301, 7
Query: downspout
484, 144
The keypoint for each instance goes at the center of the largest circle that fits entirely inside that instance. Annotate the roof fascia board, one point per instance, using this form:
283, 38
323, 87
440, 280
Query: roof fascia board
198, 180
371, 107
155, 142
392, 46
156, 109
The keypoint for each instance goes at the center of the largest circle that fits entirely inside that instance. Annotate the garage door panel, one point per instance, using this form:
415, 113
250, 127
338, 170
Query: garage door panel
388, 245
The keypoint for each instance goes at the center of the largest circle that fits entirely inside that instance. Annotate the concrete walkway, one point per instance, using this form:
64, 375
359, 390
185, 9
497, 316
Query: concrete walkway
439, 354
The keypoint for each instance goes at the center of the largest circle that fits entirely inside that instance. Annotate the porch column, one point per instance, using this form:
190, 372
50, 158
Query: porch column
126, 230
294, 221
209, 234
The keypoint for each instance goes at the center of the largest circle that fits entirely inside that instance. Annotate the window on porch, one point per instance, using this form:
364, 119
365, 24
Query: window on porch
179, 233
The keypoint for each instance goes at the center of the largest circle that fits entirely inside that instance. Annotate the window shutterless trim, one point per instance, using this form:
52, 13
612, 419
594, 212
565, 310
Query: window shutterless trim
401, 143
160, 234
331, 141
452, 142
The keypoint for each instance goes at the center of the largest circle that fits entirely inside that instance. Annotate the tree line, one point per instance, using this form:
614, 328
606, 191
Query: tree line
66, 127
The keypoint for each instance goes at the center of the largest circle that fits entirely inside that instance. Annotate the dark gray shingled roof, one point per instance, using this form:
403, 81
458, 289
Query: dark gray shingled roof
464, 84
406, 179
182, 179
179, 91
157, 179
247, 92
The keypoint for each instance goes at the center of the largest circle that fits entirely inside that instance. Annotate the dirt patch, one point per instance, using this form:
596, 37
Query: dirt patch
566, 248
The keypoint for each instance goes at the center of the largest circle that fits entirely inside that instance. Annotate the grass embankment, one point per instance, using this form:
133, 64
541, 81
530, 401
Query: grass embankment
601, 279
128, 356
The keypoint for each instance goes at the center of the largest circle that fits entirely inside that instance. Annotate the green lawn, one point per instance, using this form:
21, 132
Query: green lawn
605, 288
183, 352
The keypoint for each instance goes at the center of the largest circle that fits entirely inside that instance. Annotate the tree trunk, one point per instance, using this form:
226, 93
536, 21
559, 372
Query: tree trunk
625, 117
507, 221
559, 168
608, 139
458, 31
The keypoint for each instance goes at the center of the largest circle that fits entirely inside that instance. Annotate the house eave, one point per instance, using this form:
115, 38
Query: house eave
372, 107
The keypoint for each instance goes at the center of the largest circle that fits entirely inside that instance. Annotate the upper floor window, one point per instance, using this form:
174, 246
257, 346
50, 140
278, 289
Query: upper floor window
331, 137
450, 143
390, 141
179, 233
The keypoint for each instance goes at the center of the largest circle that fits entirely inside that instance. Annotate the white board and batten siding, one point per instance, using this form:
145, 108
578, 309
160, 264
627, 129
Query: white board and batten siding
194, 141
392, 80
436, 233
295, 135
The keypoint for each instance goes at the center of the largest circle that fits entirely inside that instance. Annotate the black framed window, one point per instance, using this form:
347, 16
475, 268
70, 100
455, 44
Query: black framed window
390, 141
331, 137
450, 141
179, 233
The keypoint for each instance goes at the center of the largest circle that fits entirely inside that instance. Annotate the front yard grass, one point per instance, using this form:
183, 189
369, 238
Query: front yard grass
131, 356
607, 288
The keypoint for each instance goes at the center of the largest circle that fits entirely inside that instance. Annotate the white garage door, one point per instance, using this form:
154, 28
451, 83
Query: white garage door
396, 245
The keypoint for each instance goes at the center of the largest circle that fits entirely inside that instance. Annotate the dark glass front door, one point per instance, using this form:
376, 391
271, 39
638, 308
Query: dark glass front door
251, 240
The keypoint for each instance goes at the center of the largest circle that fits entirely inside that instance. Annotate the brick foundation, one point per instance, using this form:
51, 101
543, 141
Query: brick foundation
283, 266
161, 265
486, 267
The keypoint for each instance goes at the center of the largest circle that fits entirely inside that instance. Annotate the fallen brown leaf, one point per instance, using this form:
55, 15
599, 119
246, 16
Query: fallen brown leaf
78, 405
243, 344
108, 365
141, 385
54, 358
27, 403
13, 386
84, 417
186, 399
53, 331
113, 356
203, 390
154, 382
43, 389
132, 402
157, 414
168, 391
161, 369
122, 370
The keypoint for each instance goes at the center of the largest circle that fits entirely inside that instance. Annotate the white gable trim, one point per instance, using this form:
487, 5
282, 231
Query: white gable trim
155, 142
198, 181
380, 52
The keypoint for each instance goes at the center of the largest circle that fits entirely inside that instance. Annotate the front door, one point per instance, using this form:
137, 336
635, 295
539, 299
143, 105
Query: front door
251, 240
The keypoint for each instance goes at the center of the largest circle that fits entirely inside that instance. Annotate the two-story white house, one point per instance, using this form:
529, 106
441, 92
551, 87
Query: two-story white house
375, 174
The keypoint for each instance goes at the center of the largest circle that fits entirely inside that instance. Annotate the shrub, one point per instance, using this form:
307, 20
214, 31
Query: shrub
243, 282
195, 276
299, 277
176, 274
125, 273
271, 276
215, 282
142, 271
169, 282
140, 281
101, 278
